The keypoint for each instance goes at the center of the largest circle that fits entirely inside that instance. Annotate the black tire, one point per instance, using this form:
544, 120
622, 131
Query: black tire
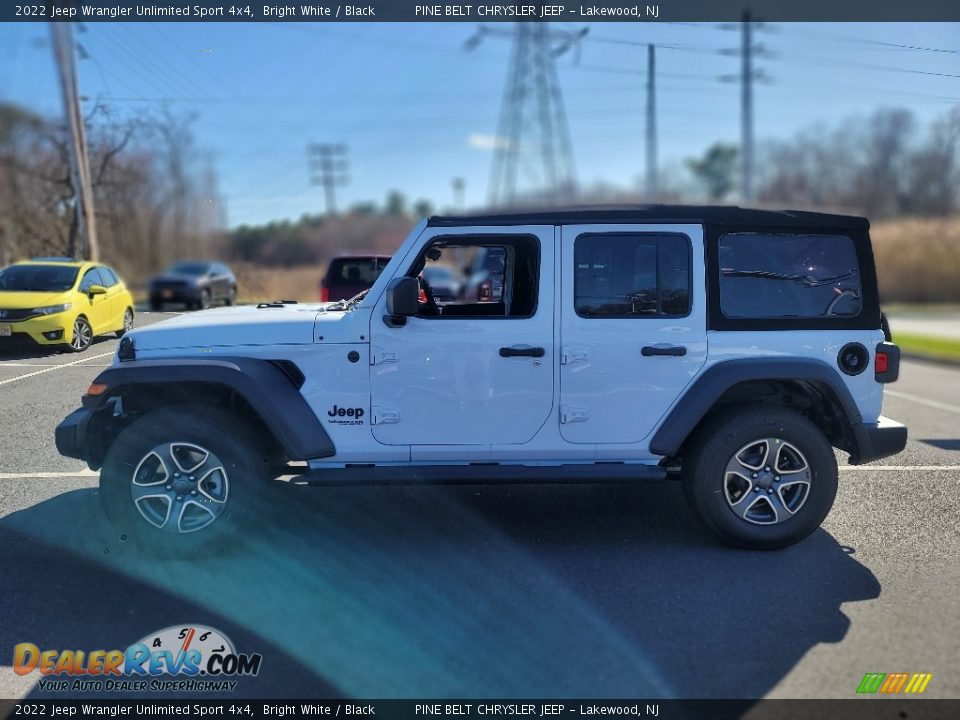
205, 300
713, 493
233, 448
231, 298
82, 336
127, 323
156, 306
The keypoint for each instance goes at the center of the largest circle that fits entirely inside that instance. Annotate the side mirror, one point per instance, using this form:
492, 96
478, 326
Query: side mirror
403, 297
97, 290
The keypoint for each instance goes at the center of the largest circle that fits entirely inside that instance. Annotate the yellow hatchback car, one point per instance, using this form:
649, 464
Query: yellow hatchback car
54, 302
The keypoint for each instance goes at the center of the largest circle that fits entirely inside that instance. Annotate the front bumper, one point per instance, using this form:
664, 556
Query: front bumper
874, 441
72, 436
46, 330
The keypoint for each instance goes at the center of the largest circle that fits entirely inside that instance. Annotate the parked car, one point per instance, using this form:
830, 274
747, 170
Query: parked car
443, 283
63, 303
351, 273
732, 349
198, 284
485, 278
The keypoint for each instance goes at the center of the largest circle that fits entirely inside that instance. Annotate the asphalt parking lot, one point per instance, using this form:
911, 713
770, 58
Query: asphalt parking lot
519, 591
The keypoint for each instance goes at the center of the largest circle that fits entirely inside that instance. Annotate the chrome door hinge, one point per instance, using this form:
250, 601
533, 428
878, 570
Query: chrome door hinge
572, 414
574, 354
385, 416
379, 356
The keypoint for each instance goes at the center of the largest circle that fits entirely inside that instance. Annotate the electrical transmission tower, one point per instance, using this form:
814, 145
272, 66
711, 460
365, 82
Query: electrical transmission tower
748, 75
328, 169
533, 153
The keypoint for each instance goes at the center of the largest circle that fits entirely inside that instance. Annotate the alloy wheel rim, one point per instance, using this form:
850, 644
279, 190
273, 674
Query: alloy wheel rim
127, 320
180, 487
81, 335
767, 481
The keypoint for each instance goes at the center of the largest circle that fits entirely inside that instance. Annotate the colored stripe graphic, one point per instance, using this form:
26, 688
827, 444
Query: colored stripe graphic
893, 683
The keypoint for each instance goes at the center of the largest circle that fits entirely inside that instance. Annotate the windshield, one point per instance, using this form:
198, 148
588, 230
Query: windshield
38, 278
190, 268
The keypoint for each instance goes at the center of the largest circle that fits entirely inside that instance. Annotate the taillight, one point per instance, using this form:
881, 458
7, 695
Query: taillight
486, 291
324, 294
886, 362
881, 363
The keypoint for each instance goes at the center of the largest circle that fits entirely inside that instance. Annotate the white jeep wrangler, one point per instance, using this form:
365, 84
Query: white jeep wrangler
733, 347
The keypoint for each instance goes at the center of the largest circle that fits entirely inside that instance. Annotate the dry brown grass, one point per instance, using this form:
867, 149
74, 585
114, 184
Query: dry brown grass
918, 260
260, 284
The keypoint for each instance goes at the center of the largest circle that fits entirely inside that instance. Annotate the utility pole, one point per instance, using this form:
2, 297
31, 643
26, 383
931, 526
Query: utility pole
65, 56
533, 156
651, 124
746, 108
459, 186
747, 76
328, 168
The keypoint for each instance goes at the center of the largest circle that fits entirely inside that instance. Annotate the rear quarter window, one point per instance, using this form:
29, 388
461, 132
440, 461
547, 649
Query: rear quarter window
764, 275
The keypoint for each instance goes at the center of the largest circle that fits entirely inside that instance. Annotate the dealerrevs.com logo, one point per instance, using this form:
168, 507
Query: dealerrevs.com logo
182, 658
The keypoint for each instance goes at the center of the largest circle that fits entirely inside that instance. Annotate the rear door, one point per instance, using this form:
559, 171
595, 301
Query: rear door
633, 327
95, 307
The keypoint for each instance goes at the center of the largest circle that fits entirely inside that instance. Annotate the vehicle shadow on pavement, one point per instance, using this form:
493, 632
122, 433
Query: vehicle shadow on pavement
470, 591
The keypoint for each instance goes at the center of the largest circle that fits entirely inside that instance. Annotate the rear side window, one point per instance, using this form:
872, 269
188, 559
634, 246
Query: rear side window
631, 275
765, 275
344, 271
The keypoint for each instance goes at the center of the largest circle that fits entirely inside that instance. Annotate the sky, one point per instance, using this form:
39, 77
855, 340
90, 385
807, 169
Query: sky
416, 109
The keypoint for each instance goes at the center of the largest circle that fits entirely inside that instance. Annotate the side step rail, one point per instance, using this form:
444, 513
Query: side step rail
480, 474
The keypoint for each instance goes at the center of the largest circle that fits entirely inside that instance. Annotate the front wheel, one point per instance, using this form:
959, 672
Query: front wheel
760, 478
82, 337
182, 480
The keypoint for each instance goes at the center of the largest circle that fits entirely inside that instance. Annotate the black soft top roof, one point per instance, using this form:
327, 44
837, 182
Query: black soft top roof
706, 214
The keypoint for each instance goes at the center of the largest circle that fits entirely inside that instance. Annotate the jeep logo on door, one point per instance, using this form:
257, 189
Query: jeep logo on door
345, 416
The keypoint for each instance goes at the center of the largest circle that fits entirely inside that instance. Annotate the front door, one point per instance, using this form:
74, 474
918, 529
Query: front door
471, 368
633, 324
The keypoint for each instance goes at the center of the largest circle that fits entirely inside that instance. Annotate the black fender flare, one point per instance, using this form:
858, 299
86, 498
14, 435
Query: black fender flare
271, 387
703, 394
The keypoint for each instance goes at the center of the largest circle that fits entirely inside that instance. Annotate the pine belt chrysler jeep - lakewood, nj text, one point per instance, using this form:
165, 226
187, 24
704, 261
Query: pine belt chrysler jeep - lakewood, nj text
736, 348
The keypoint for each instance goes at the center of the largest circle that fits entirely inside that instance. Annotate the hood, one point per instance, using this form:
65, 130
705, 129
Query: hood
14, 300
248, 326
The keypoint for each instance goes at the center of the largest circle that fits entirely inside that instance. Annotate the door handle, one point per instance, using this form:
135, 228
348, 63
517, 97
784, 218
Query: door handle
671, 350
521, 351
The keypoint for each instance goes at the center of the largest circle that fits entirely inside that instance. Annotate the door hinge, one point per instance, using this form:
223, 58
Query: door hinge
385, 416
572, 414
574, 354
379, 356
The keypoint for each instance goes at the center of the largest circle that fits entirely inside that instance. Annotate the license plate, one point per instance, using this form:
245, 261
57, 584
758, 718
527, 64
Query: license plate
167, 294
6, 331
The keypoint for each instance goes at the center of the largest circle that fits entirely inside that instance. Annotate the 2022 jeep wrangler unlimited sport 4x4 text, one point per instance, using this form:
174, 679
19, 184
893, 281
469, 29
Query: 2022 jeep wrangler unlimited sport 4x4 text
736, 346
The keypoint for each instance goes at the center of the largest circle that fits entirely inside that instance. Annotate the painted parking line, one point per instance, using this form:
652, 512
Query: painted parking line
44, 475
51, 368
895, 468
43, 365
924, 401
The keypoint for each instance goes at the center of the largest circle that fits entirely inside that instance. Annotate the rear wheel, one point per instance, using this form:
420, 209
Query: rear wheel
231, 298
182, 480
760, 478
127, 323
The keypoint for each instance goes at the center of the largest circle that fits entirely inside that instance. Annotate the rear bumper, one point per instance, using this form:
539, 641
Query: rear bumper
885, 438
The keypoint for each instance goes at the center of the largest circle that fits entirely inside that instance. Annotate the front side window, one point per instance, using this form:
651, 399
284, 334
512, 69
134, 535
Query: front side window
764, 275
90, 278
624, 275
479, 278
